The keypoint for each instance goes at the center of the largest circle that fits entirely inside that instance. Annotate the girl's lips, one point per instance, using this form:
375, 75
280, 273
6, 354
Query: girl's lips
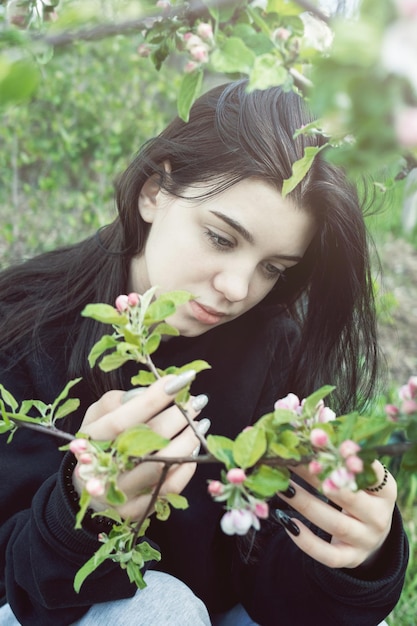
204, 314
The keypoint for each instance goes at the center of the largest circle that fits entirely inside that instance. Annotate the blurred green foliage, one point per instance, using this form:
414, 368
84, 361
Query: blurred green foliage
60, 151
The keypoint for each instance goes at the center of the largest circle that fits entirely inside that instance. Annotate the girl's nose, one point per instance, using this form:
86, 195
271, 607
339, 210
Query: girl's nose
234, 286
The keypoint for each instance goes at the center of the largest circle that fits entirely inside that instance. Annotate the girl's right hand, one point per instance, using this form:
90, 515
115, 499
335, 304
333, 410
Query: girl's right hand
112, 415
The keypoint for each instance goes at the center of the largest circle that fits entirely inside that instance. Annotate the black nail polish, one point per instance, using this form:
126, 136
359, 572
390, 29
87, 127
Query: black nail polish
289, 493
287, 522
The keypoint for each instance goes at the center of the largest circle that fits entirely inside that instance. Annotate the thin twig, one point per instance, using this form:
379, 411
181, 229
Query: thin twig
46, 430
152, 501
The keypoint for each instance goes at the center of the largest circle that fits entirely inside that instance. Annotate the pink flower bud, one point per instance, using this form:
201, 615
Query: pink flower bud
236, 476
144, 50
290, 402
191, 41
215, 488
412, 385
205, 31
200, 53
281, 34
165, 5
122, 303
315, 467
86, 458
405, 124
340, 478
348, 447
133, 299
392, 412
409, 407
190, 66
78, 446
354, 464
319, 438
261, 510
95, 487
325, 414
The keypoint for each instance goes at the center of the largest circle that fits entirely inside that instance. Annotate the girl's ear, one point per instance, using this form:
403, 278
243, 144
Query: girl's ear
150, 194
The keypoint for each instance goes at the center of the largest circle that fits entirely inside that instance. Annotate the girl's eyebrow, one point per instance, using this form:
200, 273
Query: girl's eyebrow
248, 237
236, 225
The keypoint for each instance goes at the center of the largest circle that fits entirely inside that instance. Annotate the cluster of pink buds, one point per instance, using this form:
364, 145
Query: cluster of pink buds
88, 468
408, 401
124, 303
244, 510
340, 464
198, 45
291, 402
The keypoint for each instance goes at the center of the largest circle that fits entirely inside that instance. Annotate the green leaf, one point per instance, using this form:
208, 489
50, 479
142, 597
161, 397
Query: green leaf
310, 404
139, 440
148, 553
8, 398
284, 7
221, 448
265, 481
143, 379
84, 502
152, 343
114, 495
249, 446
162, 510
178, 297
105, 343
177, 501
159, 311
189, 91
134, 573
18, 81
112, 361
66, 408
300, 169
267, 71
105, 313
232, 57
92, 564
166, 329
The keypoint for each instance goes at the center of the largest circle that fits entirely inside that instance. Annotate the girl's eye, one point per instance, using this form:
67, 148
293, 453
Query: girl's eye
219, 242
272, 271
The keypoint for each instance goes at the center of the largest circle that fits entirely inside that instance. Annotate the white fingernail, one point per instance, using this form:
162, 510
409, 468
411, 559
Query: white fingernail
179, 382
133, 393
199, 402
203, 425
196, 451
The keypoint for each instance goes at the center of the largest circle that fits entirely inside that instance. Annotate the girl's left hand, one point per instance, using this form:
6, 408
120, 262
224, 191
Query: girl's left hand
358, 531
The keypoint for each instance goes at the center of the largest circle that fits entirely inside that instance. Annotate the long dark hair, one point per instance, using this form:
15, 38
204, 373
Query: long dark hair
232, 135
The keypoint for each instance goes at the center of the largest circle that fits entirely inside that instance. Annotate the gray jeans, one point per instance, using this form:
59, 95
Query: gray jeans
166, 601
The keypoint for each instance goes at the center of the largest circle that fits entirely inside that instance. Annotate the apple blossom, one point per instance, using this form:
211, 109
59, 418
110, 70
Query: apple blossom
261, 510
95, 486
122, 303
281, 34
205, 31
407, 8
399, 50
348, 447
325, 414
200, 53
290, 402
409, 407
340, 478
392, 412
133, 299
236, 476
190, 66
238, 522
354, 464
215, 488
319, 438
405, 124
78, 446
315, 467
144, 50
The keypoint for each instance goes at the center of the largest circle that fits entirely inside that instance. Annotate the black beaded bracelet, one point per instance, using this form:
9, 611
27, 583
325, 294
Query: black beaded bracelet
91, 521
381, 484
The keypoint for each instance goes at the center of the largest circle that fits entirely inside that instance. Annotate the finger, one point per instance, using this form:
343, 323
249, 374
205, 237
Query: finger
146, 475
139, 409
332, 555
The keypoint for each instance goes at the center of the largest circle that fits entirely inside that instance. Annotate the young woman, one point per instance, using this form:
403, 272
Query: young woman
283, 303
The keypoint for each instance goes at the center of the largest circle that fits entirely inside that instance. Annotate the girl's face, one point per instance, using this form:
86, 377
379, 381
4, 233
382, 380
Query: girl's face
228, 250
